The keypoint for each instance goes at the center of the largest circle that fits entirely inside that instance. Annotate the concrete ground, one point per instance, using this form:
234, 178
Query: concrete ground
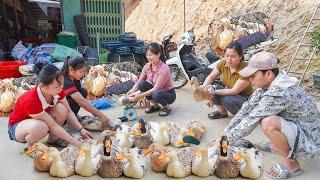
15, 165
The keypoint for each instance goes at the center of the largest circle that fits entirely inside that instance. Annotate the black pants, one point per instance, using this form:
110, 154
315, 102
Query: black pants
73, 104
159, 96
231, 103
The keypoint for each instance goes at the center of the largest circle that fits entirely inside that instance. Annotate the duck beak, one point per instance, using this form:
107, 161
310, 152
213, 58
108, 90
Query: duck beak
31, 149
122, 155
162, 156
202, 129
191, 133
167, 128
107, 145
197, 152
238, 156
180, 141
44, 156
135, 133
113, 133
146, 152
139, 126
80, 152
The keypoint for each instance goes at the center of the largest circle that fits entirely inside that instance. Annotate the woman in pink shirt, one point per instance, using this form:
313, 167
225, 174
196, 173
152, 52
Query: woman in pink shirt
155, 83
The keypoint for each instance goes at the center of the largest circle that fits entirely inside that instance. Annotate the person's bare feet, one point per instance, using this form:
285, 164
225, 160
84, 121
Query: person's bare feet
292, 165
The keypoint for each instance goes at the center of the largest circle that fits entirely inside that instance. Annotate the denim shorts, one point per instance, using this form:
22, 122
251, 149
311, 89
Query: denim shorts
12, 132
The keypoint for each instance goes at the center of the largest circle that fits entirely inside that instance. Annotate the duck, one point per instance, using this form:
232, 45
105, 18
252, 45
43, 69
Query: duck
91, 123
134, 167
228, 163
176, 135
95, 146
160, 133
85, 164
41, 159
196, 128
252, 165
7, 97
123, 137
203, 163
111, 163
62, 162
201, 94
158, 157
179, 165
141, 137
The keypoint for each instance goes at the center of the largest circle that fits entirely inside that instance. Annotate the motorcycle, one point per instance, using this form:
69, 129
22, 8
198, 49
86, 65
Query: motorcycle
187, 64
168, 47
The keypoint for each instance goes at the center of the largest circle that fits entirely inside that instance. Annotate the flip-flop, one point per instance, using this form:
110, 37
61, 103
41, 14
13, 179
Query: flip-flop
282, 172
164, 112
152, 109
266, 147
217, 115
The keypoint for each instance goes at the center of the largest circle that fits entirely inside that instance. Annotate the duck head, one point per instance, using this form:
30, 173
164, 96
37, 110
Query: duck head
142, 126
84, 150
224, 143
37, 147
107, 145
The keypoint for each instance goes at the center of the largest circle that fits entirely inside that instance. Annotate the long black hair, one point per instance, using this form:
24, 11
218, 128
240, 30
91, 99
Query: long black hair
237, 47
74, 62
47, 73
155, 48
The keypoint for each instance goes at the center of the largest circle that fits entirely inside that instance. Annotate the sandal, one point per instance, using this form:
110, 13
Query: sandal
164, 112
152, 109
60, 143
217, 115
266, 147
282, 172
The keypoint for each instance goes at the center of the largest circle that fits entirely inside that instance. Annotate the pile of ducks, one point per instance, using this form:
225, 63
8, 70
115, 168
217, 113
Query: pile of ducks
11, 89
98, 79
127, 150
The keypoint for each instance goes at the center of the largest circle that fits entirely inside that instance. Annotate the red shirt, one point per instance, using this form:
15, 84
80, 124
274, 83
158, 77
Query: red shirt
158, 76
32, 103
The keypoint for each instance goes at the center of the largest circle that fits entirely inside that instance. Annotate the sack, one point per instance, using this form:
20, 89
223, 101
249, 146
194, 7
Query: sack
60, 53
121, 88
18, 51
103, 103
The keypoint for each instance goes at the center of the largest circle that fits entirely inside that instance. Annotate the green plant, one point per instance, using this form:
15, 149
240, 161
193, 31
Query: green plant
315, 38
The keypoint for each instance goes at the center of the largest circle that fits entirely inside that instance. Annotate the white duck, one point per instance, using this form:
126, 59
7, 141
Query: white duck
252, 165
123, 137
135, 167
203, 163
63, 162
179, 165
176, 135
86, 165
160, 133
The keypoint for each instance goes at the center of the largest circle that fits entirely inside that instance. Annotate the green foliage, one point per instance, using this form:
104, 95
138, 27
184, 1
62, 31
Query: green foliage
315, 38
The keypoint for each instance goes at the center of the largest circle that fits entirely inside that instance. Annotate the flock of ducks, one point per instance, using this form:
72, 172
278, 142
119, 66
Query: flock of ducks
127, 149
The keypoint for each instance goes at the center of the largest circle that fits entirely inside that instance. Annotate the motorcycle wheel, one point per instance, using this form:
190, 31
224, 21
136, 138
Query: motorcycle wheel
178, 78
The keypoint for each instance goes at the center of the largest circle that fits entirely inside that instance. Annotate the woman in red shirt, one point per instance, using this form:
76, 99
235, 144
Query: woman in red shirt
155, 83
42, 110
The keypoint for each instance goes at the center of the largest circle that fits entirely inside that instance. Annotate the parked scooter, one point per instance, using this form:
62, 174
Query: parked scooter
187, 64
168, 47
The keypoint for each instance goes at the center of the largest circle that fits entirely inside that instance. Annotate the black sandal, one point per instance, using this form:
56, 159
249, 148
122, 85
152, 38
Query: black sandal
217, 115
152, 109
164, 112
60, 143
